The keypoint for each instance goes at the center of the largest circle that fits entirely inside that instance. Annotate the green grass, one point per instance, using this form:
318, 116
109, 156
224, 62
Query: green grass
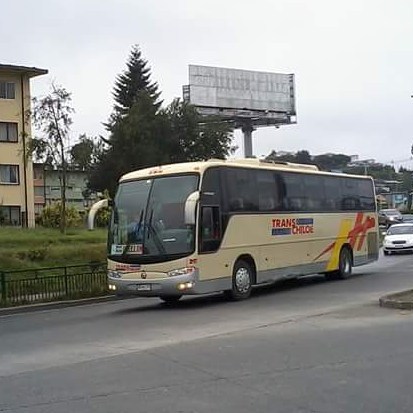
41, 247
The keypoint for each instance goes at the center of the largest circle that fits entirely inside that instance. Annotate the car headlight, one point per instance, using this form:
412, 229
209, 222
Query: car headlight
181, 271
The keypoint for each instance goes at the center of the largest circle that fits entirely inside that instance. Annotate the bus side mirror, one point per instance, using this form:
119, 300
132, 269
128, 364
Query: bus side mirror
190, 208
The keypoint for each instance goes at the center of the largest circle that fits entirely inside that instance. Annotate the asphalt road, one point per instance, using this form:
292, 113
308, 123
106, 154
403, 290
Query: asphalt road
306, 346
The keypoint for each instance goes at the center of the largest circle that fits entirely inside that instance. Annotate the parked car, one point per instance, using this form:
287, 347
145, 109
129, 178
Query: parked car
408, 218
399, 237
389, 217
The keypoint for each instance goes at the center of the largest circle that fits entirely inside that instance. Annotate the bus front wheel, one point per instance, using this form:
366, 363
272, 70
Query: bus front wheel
242, 278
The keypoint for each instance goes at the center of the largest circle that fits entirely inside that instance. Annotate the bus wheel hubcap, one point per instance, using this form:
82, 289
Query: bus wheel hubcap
242, 280
347, 266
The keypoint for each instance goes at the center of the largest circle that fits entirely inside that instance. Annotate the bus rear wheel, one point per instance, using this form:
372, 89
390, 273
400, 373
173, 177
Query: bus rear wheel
345, 265
242, 279
170, 299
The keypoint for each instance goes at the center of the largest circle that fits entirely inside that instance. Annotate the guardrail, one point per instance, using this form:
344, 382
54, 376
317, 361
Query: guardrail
52, 284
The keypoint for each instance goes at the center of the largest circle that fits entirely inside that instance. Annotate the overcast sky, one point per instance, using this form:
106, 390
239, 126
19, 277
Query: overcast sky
353, 60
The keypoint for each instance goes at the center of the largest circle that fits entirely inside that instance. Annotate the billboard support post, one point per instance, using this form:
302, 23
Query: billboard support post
247, 130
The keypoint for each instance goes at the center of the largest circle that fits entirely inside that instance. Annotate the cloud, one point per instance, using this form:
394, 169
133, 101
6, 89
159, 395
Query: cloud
353, 60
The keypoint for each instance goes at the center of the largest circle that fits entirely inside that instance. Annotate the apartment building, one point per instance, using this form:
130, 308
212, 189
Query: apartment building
39, 188
47, 189
16, 168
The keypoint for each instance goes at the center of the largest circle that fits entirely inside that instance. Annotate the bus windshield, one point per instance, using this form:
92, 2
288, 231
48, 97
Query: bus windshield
148, 219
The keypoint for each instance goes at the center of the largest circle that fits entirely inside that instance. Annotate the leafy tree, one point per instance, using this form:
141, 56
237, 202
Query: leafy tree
129, 85
283, 158
192, 138
52, 118
304, 157
81, 152
377, 171
406, 176
326, 162
84, 153
331, 162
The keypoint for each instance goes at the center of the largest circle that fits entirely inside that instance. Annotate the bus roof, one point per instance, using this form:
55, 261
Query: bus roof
201, 166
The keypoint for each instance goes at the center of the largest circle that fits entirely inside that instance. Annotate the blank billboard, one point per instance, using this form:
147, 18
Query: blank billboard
216, 87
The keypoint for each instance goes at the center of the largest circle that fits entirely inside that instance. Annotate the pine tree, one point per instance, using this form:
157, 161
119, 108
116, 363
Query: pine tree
142, 134
129, 84
137, 140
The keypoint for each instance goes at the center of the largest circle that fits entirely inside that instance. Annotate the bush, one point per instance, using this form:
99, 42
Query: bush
50, 217
102, 217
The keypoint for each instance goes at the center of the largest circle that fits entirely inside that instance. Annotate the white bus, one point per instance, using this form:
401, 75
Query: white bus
202, 227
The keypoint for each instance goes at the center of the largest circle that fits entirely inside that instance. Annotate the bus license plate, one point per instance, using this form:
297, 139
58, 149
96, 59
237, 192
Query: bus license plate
143, 287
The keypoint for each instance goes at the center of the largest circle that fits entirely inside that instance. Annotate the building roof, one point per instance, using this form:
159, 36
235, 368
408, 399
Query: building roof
30, 71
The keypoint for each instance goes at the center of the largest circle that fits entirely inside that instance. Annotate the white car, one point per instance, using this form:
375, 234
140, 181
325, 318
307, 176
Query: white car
399, 237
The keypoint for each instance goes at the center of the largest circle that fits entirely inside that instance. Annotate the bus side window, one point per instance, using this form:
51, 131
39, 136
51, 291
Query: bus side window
210, 229
236, 204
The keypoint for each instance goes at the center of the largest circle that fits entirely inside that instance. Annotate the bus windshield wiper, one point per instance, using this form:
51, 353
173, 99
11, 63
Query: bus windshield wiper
152, 230
136, 228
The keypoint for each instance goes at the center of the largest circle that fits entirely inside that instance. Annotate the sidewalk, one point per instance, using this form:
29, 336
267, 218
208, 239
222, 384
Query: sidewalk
402, 300
55, 305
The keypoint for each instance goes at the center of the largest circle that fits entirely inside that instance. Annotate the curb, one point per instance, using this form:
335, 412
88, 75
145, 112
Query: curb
402, 300
55, 305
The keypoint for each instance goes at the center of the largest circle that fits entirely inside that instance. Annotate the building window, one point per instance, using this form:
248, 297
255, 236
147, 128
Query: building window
9, 174
8, 132
7, 90
37, 173
10, 215
39, 191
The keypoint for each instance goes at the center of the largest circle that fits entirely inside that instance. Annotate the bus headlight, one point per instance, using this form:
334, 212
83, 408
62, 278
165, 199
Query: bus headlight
112, 287
185, 286
181, 271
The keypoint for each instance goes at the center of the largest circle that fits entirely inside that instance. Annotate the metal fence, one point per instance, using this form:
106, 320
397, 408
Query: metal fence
52, 284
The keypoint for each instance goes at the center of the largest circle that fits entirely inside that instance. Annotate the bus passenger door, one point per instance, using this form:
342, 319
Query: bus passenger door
210, 230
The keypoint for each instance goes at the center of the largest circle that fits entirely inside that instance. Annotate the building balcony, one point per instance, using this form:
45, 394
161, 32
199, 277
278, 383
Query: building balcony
39, 200
38, 182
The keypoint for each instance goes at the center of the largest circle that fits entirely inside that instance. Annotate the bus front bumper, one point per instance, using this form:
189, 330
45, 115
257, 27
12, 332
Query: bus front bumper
185, 284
